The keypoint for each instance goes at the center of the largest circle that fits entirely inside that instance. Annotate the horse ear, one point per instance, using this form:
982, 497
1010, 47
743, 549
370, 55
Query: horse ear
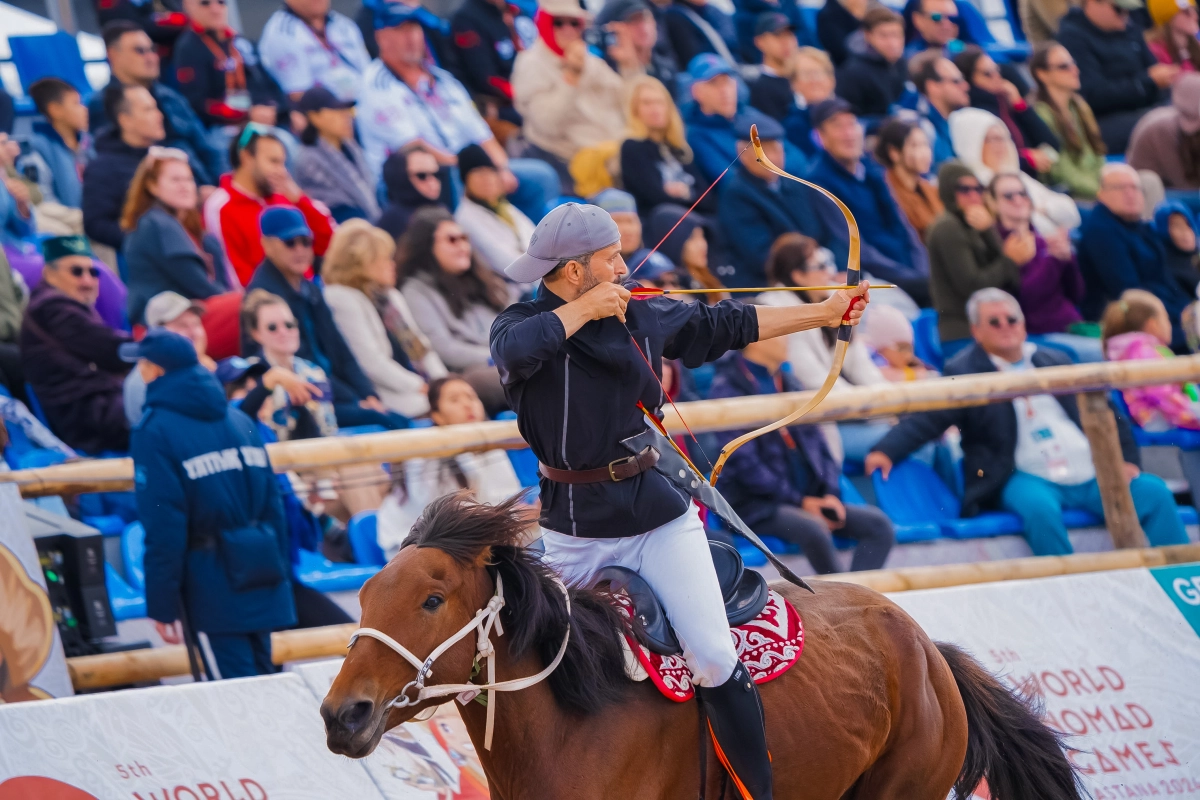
484, 559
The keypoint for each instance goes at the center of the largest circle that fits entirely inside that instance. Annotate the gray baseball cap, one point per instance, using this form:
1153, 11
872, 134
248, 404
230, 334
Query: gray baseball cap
569, 230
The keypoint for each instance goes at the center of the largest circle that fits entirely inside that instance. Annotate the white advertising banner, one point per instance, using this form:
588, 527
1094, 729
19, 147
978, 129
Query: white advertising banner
1111, 655
251, 739
431, 760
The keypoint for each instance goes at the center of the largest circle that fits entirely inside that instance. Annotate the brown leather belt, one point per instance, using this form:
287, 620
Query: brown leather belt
618, 470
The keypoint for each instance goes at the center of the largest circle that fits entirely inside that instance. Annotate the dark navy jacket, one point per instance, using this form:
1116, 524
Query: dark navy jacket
200, 468
106, 180
989, 433
576, 398
1113, 65
1115, 255
766, 473
320, 340
891, 249
753, 215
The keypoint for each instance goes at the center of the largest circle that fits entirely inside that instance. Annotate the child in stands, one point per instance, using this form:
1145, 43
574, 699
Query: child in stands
1136, 327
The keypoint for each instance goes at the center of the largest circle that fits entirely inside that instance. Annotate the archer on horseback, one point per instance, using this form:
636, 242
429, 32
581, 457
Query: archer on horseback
580, 388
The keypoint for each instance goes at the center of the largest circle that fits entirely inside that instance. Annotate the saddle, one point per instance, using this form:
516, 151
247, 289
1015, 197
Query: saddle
745, 593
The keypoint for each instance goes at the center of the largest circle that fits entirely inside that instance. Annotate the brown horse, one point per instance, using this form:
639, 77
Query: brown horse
873, 710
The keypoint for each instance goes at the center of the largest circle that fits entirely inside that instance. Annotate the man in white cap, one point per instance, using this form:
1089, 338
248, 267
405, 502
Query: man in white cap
579, 387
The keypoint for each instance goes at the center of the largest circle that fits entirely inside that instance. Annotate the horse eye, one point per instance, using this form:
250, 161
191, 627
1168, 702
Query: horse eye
432, 603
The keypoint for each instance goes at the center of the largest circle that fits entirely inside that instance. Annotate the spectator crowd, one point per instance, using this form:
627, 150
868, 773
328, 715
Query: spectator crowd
306, 236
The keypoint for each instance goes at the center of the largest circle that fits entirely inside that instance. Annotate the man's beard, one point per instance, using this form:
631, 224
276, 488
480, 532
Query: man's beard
262, 185
590, 281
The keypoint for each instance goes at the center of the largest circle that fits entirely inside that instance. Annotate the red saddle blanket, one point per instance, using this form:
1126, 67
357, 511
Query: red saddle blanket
768, 645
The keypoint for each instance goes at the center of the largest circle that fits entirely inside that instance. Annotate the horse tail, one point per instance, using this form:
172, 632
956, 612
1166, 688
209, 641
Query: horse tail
1007, 742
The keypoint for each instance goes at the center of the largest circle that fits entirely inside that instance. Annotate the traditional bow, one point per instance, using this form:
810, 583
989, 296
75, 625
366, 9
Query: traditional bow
843, 339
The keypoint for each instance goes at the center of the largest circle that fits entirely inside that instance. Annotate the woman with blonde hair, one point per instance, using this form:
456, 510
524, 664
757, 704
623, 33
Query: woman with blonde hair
657, 167
360, 288
167, 249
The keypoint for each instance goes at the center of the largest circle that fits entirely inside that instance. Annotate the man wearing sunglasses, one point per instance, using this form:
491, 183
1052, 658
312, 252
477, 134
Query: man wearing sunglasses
1028, 456
943, 90
935, 23
1119, 76
70, 355
135, 62
287, 243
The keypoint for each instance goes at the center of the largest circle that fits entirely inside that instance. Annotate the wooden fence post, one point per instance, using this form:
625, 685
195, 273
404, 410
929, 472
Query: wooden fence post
1100, 426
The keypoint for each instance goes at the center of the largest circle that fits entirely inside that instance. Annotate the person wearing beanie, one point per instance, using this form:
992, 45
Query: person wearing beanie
68, 353
1172, 39
1167, 140
888, 335
498, 229
621, 206
331, 166
568, 98
966, 254
217, 544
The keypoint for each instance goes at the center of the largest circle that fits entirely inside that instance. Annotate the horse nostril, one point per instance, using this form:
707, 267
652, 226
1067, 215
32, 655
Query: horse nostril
355, 714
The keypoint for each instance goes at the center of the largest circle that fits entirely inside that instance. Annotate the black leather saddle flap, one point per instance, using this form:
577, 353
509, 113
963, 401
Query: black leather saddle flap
744, 591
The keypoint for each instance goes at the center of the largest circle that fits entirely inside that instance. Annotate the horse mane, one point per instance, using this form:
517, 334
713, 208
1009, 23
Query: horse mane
592, 672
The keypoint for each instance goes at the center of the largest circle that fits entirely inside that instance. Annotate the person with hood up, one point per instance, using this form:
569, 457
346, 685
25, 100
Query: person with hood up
413, 181
874, 75
984, 145
1176, 226
966, 254
568, 98
217, 540
1167, 140
991, 91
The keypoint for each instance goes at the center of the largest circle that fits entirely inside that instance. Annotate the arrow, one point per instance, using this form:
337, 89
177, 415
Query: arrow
651, 291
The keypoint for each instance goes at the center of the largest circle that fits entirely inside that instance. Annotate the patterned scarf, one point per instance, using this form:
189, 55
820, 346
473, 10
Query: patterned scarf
408, 349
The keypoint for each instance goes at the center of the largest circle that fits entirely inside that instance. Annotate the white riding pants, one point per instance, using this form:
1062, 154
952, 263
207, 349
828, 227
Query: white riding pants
675, 562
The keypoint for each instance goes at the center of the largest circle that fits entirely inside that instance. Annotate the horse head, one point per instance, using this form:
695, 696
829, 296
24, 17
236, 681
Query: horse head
424, 596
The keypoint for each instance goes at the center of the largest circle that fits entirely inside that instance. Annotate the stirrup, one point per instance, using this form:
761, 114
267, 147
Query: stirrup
738, 729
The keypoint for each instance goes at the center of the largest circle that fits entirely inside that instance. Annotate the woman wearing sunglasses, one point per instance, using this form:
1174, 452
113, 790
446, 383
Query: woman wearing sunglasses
1059, 103
454, 297
1051, 283
569, 98
966, 254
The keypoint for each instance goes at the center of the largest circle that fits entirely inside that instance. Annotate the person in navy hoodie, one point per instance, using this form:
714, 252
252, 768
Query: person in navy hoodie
891, 250
756, 207
786, 484
217, 544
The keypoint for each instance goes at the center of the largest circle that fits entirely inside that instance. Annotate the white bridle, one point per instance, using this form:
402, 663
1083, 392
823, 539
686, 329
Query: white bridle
485, 620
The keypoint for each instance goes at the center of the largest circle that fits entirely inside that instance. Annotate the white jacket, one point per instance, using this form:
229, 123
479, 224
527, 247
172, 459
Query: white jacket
491, 236
363, 330
811, 358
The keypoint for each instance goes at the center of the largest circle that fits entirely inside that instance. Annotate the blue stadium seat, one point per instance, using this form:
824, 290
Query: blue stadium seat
914, 495
363, 542
358, 430
55, 55
319, 573
1176, 437
35, 405
927, 344
133, 554
126, 602
107, 524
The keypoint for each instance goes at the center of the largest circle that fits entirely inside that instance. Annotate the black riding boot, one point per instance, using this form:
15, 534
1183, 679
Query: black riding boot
735, 718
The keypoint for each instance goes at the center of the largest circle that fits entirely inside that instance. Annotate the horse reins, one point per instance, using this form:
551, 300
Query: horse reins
486, 619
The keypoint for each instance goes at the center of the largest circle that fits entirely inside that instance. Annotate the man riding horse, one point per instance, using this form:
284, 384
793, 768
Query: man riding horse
576, 364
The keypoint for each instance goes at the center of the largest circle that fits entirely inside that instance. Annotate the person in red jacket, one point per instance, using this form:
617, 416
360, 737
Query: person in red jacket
259, 179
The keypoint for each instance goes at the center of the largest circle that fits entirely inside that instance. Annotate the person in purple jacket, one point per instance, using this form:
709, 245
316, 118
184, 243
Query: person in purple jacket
1051, 283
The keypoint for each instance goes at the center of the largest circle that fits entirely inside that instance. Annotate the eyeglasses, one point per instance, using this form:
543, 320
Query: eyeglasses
273, 327
938, 16
457, 238
998, 322
968, 188
142, 50
298, 241
421, 176
1066, 66
157, 153
253, 129
1019, 194
207, 3
568, 22
78, 272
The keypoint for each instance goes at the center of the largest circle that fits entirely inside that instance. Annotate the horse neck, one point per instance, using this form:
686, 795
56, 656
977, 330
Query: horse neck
528, 724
